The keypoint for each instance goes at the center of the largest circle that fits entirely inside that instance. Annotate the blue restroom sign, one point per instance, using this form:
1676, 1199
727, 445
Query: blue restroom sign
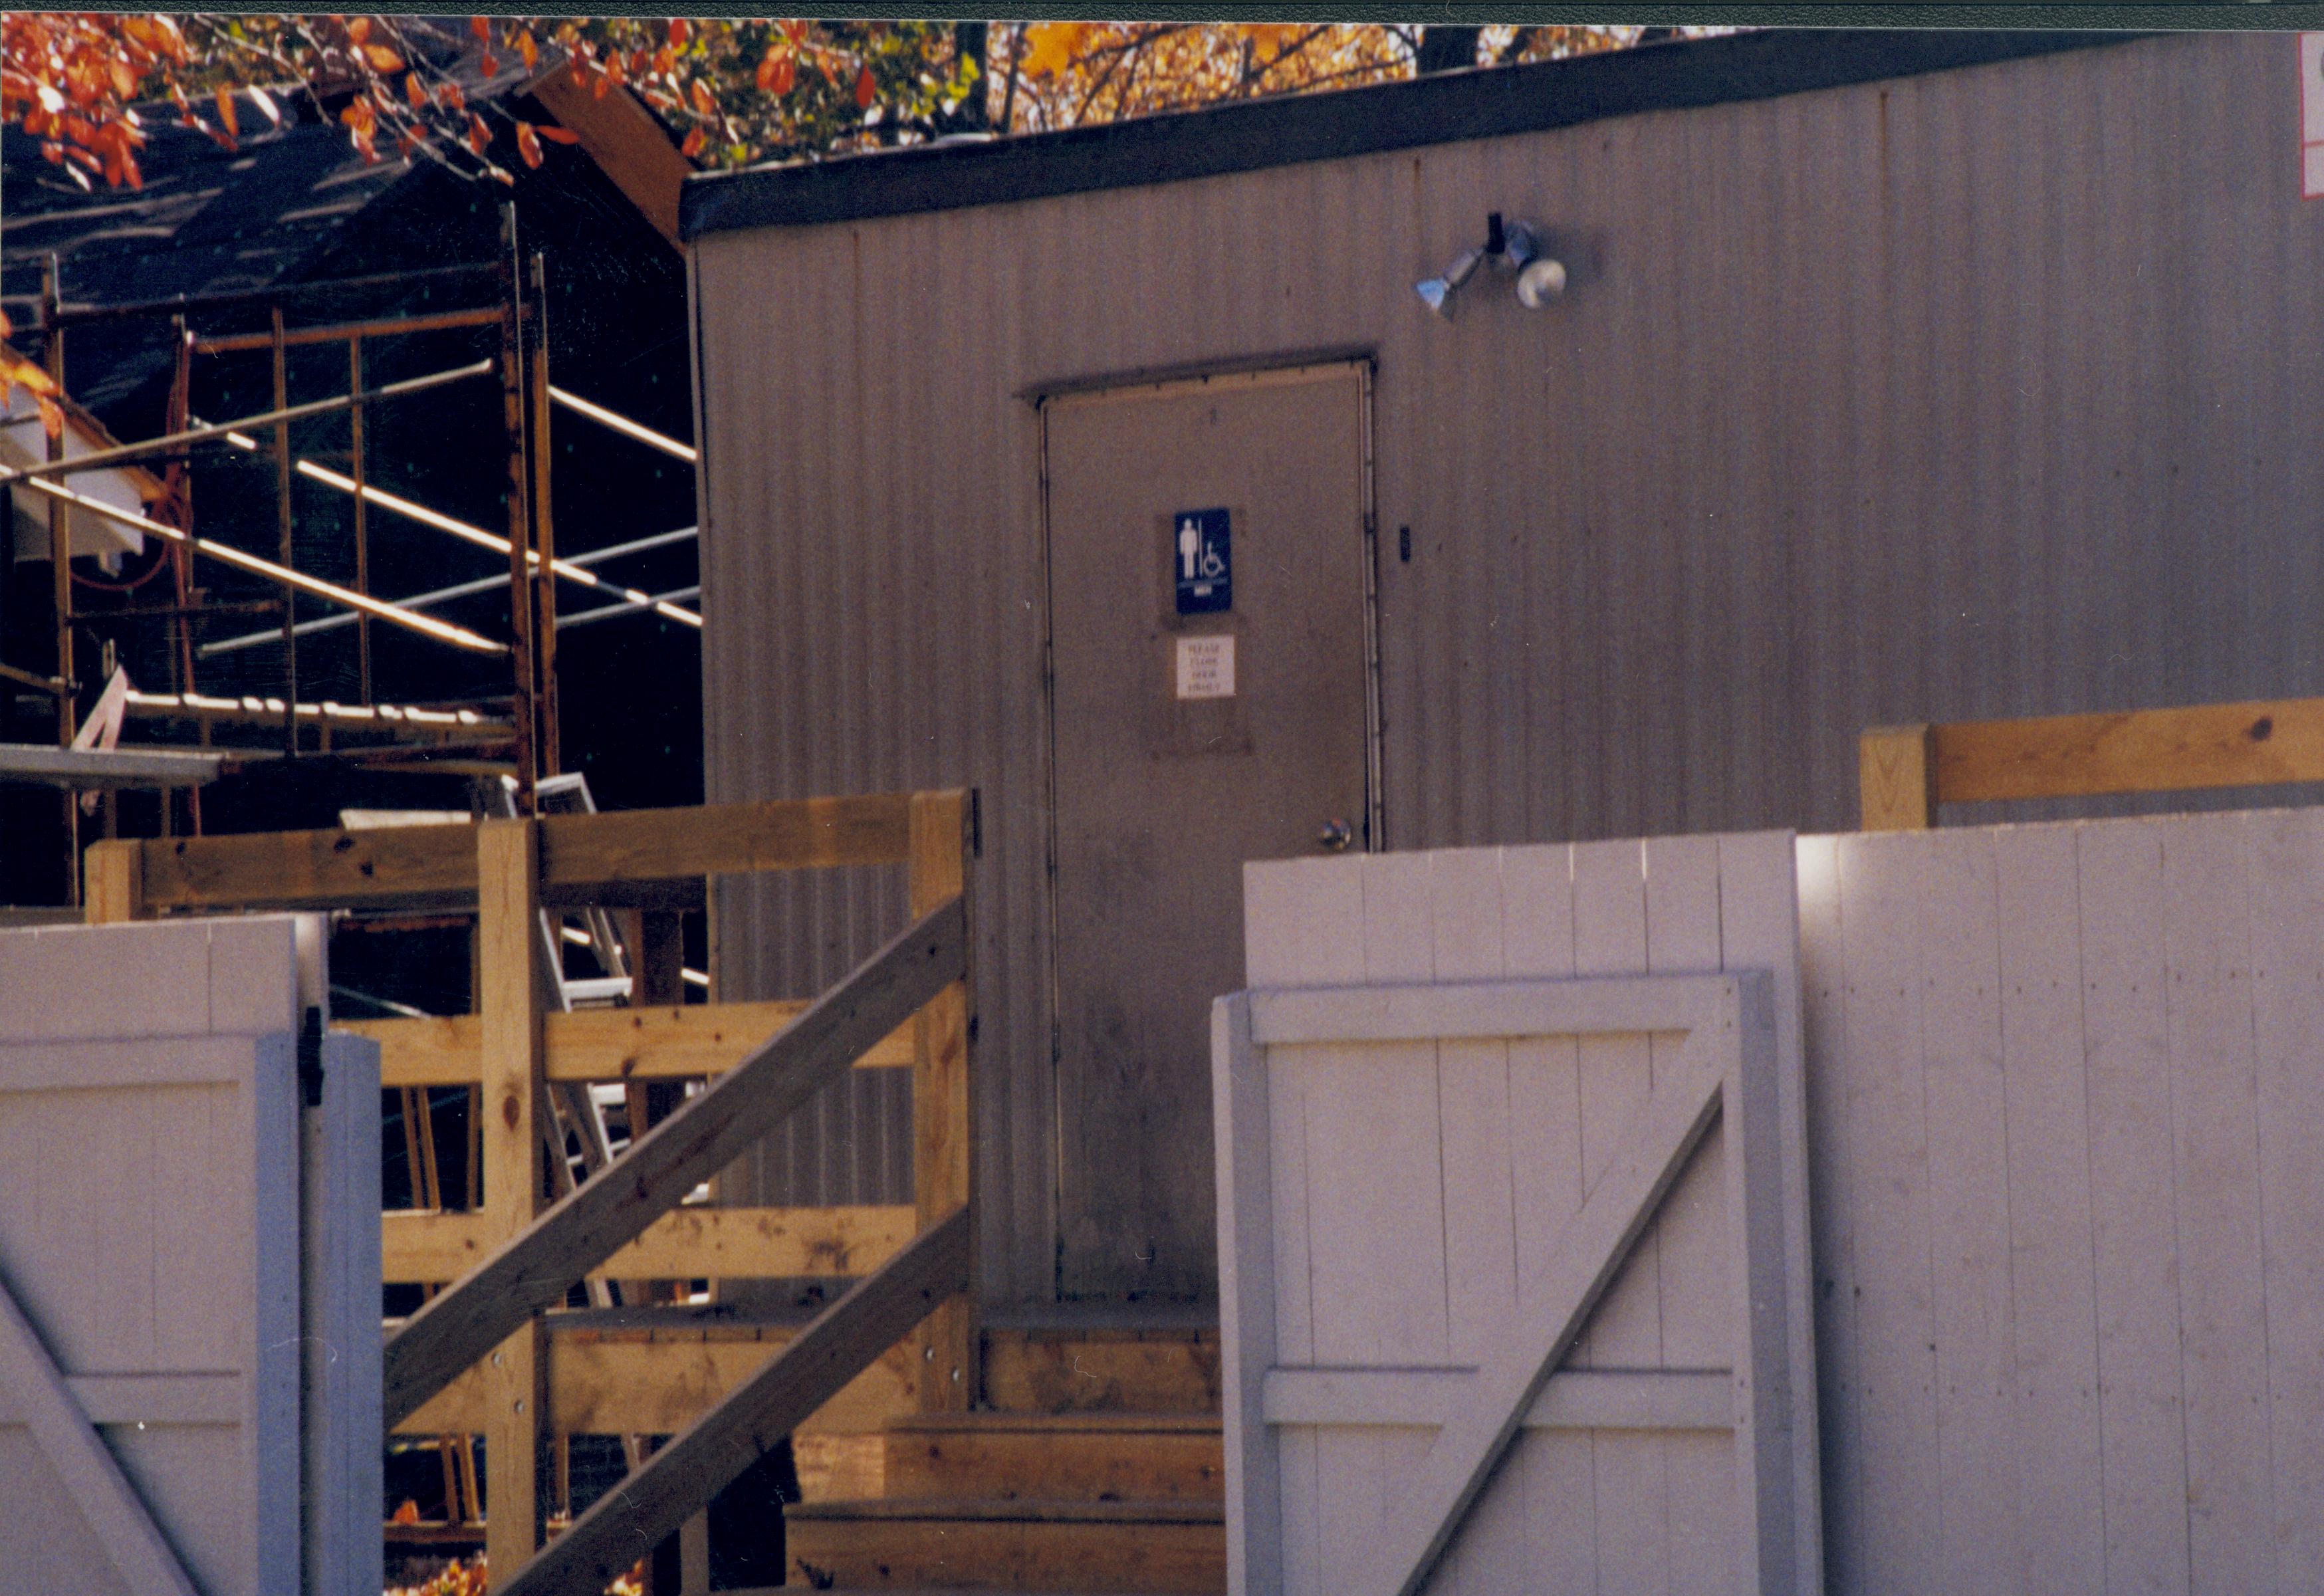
1203, 560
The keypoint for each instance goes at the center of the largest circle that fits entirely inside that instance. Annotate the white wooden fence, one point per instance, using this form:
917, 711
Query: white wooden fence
2064, 1108
1513, 1266
156, 1325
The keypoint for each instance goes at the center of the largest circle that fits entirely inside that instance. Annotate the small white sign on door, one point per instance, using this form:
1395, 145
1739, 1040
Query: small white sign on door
1206, 666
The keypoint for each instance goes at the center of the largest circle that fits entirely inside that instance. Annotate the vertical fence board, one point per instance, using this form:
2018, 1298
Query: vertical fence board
2216, 1132
2134, 1241
1969, 1251
2287, 887
2054, 1446
1880, 884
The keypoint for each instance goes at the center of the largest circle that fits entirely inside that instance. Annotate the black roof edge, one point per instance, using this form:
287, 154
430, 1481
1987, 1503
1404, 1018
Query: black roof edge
1252, 135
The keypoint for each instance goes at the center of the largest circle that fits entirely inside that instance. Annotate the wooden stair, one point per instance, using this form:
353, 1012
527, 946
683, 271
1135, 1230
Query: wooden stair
1128, 1503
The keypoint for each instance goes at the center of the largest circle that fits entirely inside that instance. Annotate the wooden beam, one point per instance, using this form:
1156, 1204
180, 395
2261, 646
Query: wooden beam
533, 1271
111, 891
621, 136
665, 1044
510, 1103
699, 1242
684, 1475
944, 1133
2257, 744
92, 1480
650, 856
1897, 777
1575, 1399
618, 1383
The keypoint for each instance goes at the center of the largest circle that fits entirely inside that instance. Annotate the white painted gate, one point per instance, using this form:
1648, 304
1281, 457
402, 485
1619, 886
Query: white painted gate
151, 1282
1513, 1225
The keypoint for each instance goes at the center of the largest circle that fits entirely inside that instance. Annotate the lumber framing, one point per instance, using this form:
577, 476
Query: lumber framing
652, 858
842, 1341
533, 1271
659, 1382
1906, 772
688, 1243
668, 1043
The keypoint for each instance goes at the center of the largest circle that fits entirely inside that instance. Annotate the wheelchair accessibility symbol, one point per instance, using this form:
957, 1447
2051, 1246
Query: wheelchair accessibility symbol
1204, 560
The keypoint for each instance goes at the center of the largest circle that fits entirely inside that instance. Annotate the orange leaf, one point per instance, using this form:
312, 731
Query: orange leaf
864, 89
52, 418
448, 96
481, 28
409, 1513
8, 328
227, 118
527, 144
414, 92
382, 59
704, 101
480, 138
693, 145
31, 377
526, 48
489, 64
124, 81
358, 30
678, 33
774, 73
555, 135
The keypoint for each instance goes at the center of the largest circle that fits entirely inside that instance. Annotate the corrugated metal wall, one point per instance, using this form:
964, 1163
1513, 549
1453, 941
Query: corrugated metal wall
1986, 393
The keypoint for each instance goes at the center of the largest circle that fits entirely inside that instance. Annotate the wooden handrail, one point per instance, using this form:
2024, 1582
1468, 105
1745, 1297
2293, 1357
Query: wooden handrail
533, 1271
1905, 772
659, 1044
842, 1341
651, 857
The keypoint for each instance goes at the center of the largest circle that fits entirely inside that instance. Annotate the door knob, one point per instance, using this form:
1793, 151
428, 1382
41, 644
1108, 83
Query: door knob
1335, 836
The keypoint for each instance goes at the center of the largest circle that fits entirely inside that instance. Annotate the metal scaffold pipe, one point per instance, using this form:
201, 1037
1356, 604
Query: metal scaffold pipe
395, 614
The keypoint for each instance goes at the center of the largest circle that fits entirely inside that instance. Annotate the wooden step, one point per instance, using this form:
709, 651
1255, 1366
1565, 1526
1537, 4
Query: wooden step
1090, 1367
1159, 1457
1130, 1548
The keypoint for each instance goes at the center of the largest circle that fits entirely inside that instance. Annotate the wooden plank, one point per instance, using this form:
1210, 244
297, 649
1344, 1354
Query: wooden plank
1620, 1006
624, 140
1625, 1330
2181, 750
584, 858
534, 1270
1977, 1505
603, 1383
113, 883
2054, 1443
1825, 977
342, 1462
1246, 1298
2214, 1109
510, 1103
2134, 1241
693, 1242
1895, 1330
944, 1109
1572, 1399
1104, 1372
685, 1473
1550, 1470
2287, 889
917, 1554
654, 1044
92, 1479
1897, 779
1646, 1159
1759, 887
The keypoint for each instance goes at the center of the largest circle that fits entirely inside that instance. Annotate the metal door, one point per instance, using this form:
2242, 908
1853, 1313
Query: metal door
1210, 704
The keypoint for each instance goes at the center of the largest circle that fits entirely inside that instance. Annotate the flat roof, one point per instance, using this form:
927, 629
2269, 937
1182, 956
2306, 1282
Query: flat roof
1249, 135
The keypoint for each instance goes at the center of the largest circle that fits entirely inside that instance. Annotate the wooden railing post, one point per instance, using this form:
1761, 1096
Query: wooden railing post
508, 943
1896, 776
943, 1126
114, 879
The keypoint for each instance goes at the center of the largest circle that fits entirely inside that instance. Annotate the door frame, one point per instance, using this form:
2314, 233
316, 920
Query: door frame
1227, 376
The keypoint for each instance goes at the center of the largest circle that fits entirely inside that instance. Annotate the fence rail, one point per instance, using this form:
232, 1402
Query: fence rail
1905, 772
482, 1348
